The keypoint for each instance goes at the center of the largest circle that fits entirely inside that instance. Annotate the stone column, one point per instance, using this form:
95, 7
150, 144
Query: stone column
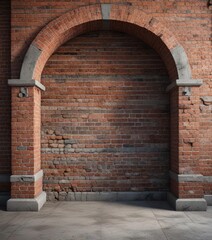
27, 176
186, 180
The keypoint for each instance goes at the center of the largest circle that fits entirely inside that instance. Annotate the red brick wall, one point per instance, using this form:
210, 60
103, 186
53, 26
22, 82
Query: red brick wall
26, 121
105, 116
5, 158
25, 129
206, 142
190, 21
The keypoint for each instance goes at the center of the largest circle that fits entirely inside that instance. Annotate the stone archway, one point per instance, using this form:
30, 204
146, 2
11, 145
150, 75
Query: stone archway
78, 21
26, 190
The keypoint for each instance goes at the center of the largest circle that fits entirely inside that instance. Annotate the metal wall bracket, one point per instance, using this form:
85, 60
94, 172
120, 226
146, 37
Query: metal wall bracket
23, 93
187, 91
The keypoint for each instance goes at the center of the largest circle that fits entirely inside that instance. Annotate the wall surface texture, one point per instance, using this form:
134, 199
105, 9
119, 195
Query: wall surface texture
105, 116
105, 112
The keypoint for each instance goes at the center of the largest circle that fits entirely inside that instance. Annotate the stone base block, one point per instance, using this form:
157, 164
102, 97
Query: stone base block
208, 199
187, 204
26, 204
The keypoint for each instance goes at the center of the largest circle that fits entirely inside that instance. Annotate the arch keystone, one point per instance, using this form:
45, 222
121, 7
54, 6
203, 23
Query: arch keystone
105, 11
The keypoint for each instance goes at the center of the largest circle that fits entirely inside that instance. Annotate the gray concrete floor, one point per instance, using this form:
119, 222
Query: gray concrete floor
106, 221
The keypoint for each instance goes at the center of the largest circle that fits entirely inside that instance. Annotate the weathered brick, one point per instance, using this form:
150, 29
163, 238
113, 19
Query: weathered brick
109, 89
112, 101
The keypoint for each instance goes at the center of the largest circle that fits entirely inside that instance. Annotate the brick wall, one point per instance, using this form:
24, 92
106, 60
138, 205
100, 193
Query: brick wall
186, 19
206, 142
26, 121
5, 142
105, 116
190, 21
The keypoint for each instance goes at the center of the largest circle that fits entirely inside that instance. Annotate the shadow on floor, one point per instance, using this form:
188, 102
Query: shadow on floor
163, 205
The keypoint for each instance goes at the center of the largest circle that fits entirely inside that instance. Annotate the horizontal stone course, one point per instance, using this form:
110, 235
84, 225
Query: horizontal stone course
27, 178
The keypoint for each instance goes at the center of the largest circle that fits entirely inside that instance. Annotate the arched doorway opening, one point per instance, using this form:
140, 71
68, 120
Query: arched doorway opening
105, 120
26, 95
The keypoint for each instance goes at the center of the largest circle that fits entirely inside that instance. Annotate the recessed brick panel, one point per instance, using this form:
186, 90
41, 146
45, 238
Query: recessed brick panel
105, 116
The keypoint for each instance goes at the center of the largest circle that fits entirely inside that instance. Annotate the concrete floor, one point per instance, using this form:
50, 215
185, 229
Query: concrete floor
106, 221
